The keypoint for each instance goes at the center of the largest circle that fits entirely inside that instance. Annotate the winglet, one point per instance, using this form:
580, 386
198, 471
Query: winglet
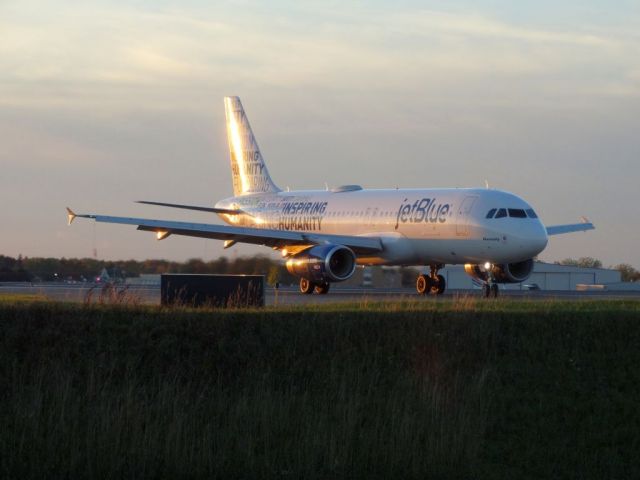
71, 216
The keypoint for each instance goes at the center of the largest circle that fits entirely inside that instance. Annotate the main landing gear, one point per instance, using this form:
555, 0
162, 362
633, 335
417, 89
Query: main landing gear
432, 283
308, 287
490, 290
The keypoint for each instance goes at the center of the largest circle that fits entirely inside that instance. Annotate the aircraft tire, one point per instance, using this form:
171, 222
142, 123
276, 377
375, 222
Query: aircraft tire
306, 286
423, 284
441, 286
322, 289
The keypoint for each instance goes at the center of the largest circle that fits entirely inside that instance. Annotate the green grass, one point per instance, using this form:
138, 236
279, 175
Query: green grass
460, 388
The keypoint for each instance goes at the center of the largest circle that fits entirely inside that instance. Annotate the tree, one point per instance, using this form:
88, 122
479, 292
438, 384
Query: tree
11, 270
582, 262
194, 265
629, 274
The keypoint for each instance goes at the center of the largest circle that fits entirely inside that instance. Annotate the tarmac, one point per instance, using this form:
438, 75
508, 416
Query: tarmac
287, 295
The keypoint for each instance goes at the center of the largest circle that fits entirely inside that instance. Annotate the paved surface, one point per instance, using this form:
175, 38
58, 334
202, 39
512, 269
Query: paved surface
284, 296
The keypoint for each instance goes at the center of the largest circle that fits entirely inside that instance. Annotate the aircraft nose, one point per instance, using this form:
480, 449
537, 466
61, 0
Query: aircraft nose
531, 240
539, 239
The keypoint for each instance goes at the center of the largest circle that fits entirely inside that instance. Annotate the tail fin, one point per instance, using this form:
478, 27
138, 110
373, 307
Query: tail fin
249, 172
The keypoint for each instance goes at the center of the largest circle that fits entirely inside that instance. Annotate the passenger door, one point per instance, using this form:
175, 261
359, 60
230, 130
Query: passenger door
464, 214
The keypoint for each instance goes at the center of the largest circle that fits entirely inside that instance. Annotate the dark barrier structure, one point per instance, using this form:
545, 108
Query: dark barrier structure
212, 290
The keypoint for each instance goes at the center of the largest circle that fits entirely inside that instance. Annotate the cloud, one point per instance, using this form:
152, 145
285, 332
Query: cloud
101, 100
89, 49
476, 26
27, 144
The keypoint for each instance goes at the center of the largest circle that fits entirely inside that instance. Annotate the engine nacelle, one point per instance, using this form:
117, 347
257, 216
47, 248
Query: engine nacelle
323, 263
506, 273
477, 272
513, 272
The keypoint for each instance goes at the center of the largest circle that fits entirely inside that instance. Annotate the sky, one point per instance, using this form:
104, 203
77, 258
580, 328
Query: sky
104, 103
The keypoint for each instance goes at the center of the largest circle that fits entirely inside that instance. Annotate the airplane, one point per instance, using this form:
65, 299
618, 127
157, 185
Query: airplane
325, 234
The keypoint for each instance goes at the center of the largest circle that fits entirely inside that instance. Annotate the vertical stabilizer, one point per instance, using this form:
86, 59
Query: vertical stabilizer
249, 172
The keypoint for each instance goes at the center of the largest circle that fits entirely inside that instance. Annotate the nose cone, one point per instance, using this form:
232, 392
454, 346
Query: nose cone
539, 239
527, 240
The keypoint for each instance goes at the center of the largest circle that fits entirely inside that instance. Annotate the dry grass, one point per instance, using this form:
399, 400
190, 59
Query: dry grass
111, 294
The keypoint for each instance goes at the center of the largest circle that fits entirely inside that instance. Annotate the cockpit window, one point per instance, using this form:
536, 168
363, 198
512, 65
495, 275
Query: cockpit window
531, 213
501, 213
517, 213
491, 213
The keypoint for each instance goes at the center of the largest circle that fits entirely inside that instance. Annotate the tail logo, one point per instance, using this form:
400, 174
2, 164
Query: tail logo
249, 172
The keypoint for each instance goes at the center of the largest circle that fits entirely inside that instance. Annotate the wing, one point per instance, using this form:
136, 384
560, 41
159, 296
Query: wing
257, 236
573, 227
193, 207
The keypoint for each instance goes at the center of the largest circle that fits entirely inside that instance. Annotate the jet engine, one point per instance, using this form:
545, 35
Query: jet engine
506, 273
323, 263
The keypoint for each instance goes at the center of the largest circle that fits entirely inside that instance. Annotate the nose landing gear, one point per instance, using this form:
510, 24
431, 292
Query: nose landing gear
490, 290
433, 283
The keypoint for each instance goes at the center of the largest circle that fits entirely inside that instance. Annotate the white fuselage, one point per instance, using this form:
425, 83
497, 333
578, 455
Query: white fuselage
416, 227
324, 234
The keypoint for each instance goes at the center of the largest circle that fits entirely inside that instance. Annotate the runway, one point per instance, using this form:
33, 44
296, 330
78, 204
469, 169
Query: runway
285, 296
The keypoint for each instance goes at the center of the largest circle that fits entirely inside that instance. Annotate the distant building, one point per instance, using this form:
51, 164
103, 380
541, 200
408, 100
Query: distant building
546, 276
551, 276
145, 279
104, 276
374, 277
113, 275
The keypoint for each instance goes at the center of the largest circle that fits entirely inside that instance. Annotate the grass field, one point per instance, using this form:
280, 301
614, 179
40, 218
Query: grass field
462, 388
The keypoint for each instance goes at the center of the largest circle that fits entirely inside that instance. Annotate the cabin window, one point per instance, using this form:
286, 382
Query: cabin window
501, 213
517, 213
491, 213
531, 213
